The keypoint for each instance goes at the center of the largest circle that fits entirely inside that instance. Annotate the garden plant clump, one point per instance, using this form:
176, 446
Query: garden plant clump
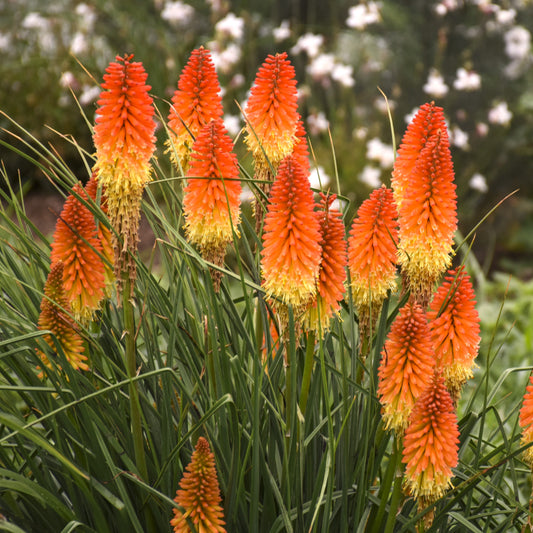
280, 360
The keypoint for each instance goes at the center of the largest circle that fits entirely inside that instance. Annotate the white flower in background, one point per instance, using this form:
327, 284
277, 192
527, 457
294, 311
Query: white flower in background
343, 74
34, 21
478, 183
467, 80
67, 79
5, 42
233, 124
517, 42
231, 26
86, 16
237, 80
177, 13
482, 129
282, 32
321, 66
446, 6
435, 85
89, 94
79, 44
371, 176
225, 59
362, 15
459, 138
376, 150
318, 178
500, 114
504, 16
360, 133
381, 104
317, 123
309, 43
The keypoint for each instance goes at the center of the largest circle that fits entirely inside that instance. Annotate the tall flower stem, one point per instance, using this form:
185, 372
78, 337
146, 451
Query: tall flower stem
308, 370
131, 368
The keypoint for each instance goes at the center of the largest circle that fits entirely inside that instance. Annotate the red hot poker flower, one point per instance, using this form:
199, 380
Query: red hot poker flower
431, 444
77, 245
54, 317
428, 121
211, 202
291, 250
125, 142
300, 152
332, 274
454, 324
271, 113
526, 422
196, 101
407, 364
199, 494
372, 253
427, 218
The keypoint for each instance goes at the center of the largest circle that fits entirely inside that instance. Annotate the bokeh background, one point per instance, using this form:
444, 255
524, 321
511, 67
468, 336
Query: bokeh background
472, 57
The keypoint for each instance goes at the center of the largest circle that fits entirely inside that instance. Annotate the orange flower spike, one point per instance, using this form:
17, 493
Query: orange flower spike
271, 113
300, 152
196, 101
372, 252
332, 274
291, 239
430, 444
427, 218
77, 245
199, 494
54, 317
104, 234
407, 363
125, 142
526, 422
454, 324
427, 122
211, 203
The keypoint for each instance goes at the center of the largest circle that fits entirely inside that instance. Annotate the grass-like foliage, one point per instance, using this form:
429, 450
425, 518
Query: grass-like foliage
295, 426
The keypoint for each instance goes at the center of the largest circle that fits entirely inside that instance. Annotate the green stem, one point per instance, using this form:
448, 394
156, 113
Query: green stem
308, 371
397, 488
131, 368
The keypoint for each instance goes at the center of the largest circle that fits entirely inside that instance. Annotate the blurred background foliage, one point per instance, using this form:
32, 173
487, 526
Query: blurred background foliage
472, 57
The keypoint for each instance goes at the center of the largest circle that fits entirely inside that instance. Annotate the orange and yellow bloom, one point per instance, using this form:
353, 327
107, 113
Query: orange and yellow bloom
431, 444
196, 101
428, 121
290, 259
125, 142
54, 317
372, 253
199, 495
332, 274
77, 245
407, 364
454, 324
211, 202
526, 422
271, 114
427, 218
